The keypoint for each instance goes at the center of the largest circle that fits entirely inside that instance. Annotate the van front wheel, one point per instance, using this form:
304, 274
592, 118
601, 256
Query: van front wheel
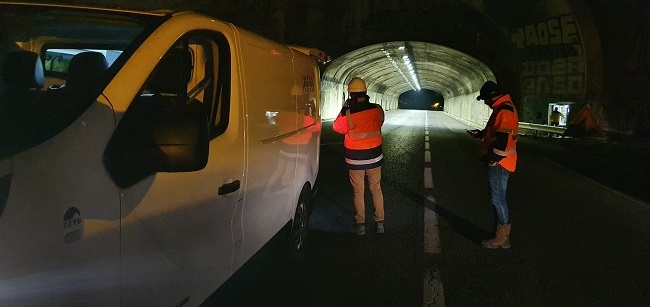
299, 226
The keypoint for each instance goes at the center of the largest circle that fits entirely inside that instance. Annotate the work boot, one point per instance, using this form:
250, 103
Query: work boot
380, 227
502, 238
361, 229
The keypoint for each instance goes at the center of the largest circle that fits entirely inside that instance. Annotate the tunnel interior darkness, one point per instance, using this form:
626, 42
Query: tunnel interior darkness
423, 99
384, 67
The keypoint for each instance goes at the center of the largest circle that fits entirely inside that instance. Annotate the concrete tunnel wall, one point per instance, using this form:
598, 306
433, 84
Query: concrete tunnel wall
332, 98
468, 109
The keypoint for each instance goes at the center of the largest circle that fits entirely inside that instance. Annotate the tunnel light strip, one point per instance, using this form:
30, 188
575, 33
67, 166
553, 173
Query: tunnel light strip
397, 68
414, 77
407, 62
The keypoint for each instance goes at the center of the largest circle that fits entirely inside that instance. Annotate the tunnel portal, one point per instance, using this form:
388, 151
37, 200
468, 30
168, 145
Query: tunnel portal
392, 68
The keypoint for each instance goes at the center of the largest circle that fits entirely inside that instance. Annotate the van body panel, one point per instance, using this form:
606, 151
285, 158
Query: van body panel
308, 106
61, 220
271, 181
283, 131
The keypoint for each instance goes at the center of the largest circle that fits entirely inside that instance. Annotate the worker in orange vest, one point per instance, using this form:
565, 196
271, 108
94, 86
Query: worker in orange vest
360, 121
499, 153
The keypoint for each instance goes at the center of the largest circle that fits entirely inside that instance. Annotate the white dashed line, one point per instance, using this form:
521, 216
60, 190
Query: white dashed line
431, 231
428, 180
432, 285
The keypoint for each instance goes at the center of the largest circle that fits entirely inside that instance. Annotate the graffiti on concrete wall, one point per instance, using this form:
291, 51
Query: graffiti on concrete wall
552, 62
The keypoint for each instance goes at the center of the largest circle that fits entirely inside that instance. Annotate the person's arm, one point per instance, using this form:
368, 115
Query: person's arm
340, 124
497, 149
475, 133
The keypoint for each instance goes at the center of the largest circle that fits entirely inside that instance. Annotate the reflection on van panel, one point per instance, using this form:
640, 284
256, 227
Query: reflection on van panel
144, 157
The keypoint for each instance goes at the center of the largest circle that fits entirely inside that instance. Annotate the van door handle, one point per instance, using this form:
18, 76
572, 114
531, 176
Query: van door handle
229, 187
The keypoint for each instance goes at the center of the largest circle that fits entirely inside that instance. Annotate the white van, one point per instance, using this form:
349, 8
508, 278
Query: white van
145, 156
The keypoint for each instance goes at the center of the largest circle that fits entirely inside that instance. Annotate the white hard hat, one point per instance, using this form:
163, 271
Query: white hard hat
357, 85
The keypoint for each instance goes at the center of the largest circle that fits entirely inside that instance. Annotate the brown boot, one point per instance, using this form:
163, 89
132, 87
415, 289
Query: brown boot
502, 238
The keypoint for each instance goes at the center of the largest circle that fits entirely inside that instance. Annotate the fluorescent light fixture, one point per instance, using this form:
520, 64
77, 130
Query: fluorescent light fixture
413, 81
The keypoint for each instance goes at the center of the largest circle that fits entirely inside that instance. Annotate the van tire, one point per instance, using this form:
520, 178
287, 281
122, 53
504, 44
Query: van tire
300, 222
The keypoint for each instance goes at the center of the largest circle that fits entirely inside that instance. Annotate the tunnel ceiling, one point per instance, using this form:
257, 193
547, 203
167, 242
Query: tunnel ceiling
438, 68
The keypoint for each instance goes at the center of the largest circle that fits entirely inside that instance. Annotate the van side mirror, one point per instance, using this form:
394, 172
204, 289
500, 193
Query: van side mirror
157, 134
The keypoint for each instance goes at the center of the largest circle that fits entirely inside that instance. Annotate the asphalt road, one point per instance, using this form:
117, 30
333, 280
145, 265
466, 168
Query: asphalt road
576, 241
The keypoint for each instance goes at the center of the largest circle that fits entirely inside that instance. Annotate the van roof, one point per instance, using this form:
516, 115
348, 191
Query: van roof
318, 54
94, 7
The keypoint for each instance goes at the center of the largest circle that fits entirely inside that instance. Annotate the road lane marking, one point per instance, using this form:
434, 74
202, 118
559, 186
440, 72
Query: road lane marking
431, 231
433, 294
428, 179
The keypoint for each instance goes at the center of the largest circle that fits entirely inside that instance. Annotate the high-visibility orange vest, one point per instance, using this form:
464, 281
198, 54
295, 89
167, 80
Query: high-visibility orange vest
363, 137
500, 133
365, 128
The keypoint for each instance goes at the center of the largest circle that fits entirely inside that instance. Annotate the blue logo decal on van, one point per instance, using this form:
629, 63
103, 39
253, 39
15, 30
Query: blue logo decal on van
73, 225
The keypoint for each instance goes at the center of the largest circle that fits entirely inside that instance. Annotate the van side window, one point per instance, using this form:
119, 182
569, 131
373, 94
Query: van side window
57, 59
184, 103
195, 72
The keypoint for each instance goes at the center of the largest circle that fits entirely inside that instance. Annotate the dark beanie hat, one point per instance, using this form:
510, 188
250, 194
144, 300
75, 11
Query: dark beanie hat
489, 90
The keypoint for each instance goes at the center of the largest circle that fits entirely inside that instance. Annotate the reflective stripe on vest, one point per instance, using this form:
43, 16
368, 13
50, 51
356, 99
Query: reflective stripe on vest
364, 135
364, 162
503, 153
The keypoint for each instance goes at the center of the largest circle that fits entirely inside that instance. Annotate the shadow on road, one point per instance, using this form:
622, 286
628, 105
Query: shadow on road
459, 224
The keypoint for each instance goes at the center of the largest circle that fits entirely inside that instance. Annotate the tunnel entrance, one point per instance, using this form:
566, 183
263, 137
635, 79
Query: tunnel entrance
407, 70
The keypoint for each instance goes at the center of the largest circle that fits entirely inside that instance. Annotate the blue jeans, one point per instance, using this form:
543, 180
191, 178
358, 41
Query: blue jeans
498, 180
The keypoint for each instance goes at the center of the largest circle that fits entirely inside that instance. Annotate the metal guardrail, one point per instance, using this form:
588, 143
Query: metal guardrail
540, 127
527, 128
522, 126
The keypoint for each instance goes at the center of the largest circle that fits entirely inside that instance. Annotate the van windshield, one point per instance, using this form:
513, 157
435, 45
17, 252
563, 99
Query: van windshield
54, 63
